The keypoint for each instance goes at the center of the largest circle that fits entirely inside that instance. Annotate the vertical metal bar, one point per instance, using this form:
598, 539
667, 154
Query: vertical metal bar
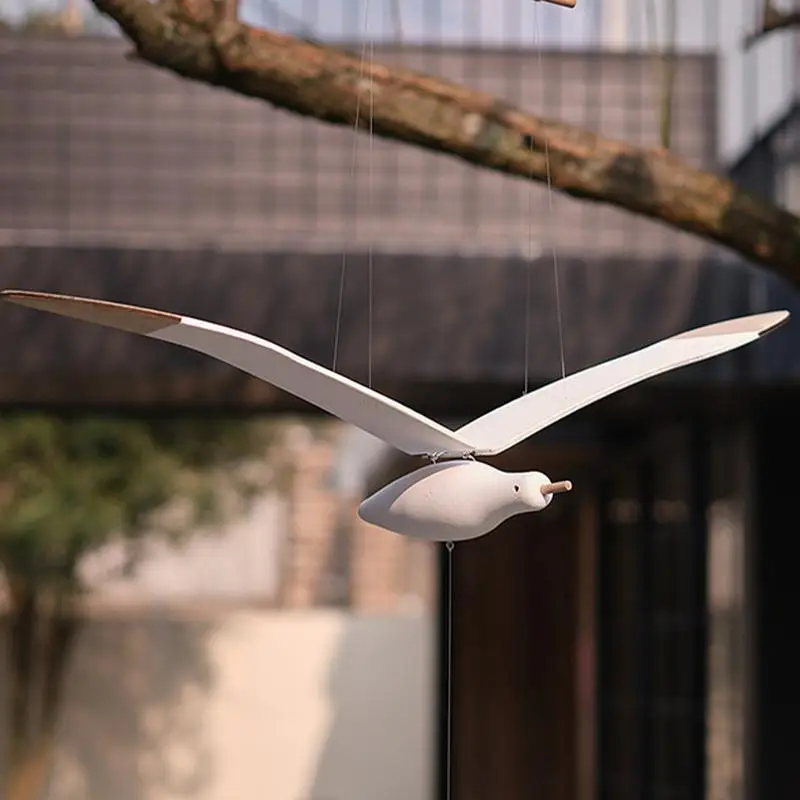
645, 627
586, 643
602, 581
750, 471
698, 473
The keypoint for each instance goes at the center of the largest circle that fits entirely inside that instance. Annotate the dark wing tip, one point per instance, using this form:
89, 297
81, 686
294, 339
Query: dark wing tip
757, 324
101, 312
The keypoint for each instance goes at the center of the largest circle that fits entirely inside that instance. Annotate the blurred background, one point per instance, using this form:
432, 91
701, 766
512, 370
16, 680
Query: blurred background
194, 610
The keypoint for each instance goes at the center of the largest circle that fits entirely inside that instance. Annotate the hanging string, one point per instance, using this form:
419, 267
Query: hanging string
370, 205
549, 180
448, 775
531, 258
353, 157
529, 276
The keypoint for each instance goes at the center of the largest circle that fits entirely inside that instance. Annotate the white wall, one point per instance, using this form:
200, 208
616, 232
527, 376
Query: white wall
249, 706
240, 562
757, 86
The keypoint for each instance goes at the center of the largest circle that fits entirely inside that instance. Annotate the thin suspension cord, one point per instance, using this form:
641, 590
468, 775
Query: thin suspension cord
448, 776
370, 204
353, 155
553, 250
528, 317
529, 275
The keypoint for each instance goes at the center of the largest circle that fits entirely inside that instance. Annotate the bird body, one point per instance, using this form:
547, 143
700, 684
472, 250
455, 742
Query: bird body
454, 500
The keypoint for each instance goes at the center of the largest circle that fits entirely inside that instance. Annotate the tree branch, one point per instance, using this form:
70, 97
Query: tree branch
773, 20
325, 83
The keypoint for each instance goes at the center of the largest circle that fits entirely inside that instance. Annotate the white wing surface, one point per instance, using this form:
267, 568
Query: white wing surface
502, 428
394, 423
381, 416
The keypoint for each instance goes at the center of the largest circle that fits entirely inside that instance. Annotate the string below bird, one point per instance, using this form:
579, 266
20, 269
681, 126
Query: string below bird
455, 496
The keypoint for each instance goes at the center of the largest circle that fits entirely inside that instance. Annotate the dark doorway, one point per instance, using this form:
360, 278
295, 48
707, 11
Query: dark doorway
516, 607
652, 601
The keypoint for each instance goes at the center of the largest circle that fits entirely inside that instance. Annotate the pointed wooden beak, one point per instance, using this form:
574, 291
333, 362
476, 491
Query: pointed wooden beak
559, 487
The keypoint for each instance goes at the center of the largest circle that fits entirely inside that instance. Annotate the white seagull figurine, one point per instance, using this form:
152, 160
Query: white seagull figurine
454, 497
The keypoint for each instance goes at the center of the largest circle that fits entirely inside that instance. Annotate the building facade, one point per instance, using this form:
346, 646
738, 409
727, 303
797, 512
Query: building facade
629, 644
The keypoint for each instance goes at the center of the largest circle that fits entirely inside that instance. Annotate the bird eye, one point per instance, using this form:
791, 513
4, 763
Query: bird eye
516, 487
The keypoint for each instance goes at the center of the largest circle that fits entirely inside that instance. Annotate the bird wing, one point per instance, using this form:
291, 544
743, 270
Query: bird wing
375, 413
502, 428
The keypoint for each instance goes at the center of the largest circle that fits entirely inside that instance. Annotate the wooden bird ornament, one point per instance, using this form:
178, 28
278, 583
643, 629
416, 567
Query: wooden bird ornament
455, 496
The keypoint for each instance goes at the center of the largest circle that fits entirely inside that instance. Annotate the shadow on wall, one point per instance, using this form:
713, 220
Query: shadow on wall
306, 705
131, 721
381, 734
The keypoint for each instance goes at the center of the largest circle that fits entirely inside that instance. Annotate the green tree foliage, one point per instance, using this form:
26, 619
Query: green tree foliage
69, 486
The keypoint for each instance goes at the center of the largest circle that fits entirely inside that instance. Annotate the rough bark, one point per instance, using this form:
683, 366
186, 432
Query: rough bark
329, 84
